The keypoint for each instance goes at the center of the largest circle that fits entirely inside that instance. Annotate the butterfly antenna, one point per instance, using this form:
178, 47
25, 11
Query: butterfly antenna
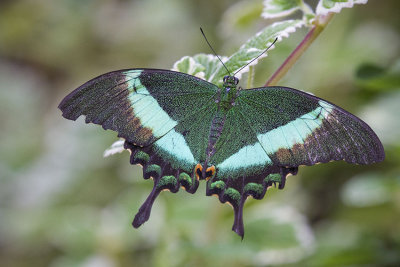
202, 32
257, 56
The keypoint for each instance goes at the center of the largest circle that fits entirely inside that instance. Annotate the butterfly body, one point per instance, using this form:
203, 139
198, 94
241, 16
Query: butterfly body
183, 129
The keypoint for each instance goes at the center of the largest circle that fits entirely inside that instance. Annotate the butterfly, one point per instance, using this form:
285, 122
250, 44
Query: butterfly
183, 129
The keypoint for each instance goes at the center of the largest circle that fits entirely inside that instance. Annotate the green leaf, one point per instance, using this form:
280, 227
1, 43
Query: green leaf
210, 62
190, 66
242, 14
326, 6
254, 47
200, 65
377, 78
282, 8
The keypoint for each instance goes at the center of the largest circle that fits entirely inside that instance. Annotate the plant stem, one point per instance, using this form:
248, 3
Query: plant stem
319, 25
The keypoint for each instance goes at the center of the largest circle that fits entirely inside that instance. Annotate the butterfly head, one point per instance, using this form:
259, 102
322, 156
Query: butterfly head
230, 81
230, 91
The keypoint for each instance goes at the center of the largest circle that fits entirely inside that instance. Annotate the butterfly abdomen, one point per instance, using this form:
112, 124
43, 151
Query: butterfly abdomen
216, 128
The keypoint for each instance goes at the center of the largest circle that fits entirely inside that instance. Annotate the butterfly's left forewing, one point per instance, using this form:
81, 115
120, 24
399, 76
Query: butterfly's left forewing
296, 128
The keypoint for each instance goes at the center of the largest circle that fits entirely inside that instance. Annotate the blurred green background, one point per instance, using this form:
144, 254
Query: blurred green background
63, 204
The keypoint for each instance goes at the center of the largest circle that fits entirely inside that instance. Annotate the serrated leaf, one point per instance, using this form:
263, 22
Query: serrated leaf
326, 6
280, 8
190, 66
210, 62
116, 147
254, 47
200, 65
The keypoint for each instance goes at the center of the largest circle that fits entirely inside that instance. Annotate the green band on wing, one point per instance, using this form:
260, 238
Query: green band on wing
145, 107
294, 132
173, 148
247, 157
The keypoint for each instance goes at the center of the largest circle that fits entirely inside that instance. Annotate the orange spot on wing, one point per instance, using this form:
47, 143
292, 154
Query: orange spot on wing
212, 170
198, 169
